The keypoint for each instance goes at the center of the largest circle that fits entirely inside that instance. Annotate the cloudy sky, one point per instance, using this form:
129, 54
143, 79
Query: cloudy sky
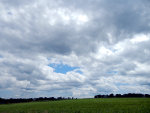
76, 48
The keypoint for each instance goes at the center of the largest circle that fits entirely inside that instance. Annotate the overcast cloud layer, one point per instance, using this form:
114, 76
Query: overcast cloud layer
109, 42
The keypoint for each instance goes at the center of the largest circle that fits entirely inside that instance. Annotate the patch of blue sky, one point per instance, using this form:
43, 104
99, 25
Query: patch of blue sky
112, 72
79, 71
1, 56
63, 68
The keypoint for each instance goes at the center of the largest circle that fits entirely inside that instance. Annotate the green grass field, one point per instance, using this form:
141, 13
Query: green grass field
104, 105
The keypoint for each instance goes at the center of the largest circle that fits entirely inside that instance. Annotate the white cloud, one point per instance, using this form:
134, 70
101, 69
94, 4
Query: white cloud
140, 38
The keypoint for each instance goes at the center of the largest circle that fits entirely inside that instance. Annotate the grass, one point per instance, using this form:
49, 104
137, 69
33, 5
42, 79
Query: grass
104, 105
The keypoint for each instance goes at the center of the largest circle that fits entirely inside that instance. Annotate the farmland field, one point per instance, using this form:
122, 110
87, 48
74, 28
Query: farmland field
103, 105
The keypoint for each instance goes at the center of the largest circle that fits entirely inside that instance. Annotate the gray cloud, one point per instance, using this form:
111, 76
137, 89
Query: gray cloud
106, 40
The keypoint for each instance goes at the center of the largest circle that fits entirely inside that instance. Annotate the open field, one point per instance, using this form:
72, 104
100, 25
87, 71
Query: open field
103, 105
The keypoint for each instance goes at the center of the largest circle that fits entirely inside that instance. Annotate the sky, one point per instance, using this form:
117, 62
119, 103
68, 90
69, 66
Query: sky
74, 48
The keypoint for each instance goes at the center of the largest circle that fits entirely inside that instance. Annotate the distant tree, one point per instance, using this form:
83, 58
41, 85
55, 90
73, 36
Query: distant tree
118, 95
111, 95
147, 95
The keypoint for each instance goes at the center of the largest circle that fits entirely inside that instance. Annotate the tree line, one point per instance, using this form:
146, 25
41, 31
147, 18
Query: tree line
122, 95
21, 100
